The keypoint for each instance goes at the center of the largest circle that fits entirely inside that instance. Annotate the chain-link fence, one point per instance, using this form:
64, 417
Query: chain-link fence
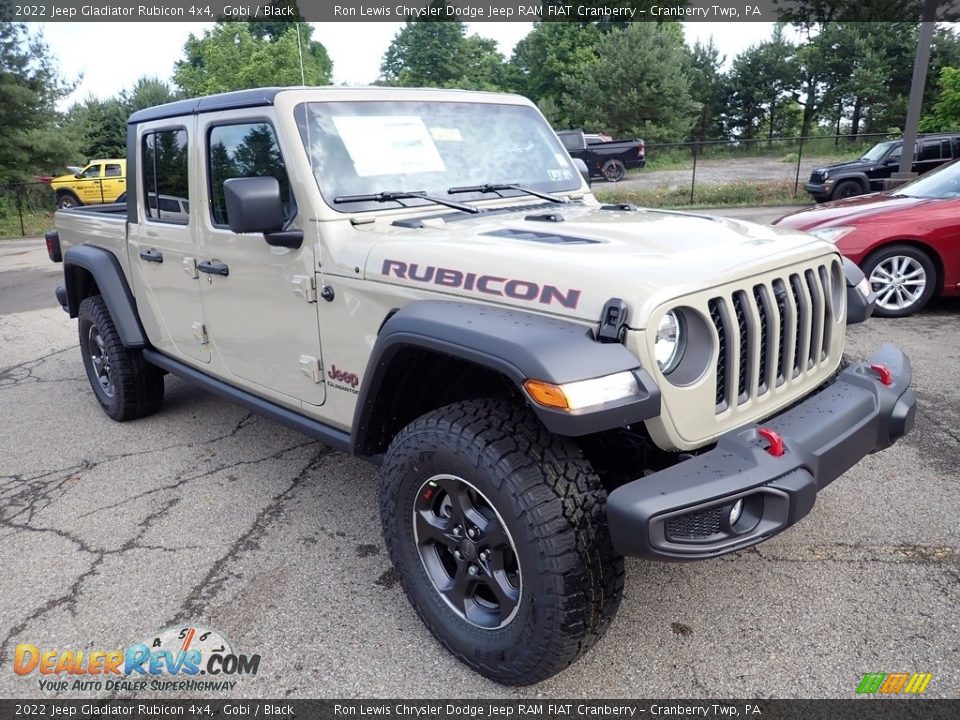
725, 172
26, 209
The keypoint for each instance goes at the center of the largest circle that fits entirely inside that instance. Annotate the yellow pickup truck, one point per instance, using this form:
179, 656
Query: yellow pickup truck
101, 181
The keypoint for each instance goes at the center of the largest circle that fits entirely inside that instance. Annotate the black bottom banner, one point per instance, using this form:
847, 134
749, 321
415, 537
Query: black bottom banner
854, 709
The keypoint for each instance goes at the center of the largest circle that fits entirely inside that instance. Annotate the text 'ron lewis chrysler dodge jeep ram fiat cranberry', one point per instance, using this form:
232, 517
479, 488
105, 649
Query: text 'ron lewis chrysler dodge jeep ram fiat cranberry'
422, 278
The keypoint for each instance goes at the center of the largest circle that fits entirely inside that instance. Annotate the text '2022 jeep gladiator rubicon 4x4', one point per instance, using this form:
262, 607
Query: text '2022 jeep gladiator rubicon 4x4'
422, 278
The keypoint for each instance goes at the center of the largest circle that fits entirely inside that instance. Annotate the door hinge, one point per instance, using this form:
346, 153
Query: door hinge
310, 366
306, 287
190, 267
200, 333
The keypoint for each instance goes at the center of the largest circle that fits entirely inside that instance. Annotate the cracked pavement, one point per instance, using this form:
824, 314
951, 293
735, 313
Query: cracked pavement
206, 514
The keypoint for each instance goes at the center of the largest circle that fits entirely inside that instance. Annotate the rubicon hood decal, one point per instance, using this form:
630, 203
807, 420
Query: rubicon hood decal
487, 284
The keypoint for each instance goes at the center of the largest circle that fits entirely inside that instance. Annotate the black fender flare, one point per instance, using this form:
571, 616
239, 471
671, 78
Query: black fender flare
860, 177
108, 275
517, 344
859, 306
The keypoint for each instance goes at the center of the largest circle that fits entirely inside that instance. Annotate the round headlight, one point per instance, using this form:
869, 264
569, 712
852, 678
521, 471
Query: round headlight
668, 343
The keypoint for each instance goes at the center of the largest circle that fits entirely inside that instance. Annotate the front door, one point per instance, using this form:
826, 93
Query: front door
88, 185
259, 302
165, 272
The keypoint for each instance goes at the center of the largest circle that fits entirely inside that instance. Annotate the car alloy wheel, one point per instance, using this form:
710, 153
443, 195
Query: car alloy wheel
467, 551
899, 282
100, 359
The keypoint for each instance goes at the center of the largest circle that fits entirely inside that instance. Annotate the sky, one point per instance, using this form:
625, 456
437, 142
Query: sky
150, 49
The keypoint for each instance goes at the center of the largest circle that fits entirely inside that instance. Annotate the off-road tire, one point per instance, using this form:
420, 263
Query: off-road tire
920, 257
67, 199
553, 505
137, 386
613, 170
845, 189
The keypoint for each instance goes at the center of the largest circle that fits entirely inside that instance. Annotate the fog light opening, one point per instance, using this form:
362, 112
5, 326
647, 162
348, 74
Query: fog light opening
735, 512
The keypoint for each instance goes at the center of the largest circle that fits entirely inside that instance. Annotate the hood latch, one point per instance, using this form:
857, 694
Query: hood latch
613, 321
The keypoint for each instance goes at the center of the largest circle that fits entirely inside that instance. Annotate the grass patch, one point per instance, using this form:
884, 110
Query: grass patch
734, 194
35, 224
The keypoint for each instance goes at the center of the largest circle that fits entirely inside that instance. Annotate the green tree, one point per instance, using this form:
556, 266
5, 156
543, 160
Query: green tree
760, 84
438, 53
241, 55
709, 86
640, 85
945, 114
550, 53
30, 87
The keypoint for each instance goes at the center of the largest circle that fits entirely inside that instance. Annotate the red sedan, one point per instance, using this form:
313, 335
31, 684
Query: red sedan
907, 241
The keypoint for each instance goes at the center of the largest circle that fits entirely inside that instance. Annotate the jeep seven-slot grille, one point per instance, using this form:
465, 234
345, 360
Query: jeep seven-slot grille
771, 333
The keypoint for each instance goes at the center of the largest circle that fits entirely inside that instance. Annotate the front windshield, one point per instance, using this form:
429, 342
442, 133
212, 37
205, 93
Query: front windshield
876, 153
359, 148
944, 182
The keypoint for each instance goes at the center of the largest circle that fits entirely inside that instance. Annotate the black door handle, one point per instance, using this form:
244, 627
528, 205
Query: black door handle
214, 268
151, 255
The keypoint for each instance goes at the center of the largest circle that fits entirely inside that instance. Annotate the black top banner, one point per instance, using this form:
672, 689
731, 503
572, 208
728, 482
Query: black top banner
535, 709
482, 10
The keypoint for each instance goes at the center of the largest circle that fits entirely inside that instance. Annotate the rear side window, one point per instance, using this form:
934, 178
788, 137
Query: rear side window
113, 170
930, 150
244, 150
165, 175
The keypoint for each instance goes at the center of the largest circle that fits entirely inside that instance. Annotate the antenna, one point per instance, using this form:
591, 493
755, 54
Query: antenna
303, 80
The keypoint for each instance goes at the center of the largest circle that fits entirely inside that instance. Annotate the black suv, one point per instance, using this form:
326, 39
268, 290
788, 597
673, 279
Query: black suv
867, 174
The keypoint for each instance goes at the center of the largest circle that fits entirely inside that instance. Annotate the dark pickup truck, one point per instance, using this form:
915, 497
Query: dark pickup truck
857, 177
609, 160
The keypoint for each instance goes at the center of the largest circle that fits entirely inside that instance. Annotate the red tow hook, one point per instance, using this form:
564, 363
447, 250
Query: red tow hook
886, 377
776, 442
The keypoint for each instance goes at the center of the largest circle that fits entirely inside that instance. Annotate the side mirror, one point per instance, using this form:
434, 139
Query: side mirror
584, 170
892, 161
254, 206
78, 175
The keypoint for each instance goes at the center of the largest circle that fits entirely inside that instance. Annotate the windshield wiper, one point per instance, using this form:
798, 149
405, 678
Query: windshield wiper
497, 187
397, 195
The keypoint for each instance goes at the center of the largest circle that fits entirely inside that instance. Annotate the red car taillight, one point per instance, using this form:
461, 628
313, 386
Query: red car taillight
641, 149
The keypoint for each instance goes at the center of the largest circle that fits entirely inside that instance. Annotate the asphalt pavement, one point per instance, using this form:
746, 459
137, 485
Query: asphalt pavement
206, 515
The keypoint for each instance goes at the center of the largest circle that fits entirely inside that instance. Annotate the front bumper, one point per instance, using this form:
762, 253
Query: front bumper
820, 191
682, 513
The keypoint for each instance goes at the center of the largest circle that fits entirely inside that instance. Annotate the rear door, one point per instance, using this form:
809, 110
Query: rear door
163, 250
261, 305
929, 156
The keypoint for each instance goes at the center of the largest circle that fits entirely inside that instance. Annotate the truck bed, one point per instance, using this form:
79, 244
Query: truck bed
101, 225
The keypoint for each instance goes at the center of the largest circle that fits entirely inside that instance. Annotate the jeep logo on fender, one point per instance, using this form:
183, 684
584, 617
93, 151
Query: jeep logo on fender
488, 284
349, 378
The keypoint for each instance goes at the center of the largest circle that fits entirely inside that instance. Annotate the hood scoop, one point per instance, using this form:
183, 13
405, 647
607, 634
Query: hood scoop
541, 236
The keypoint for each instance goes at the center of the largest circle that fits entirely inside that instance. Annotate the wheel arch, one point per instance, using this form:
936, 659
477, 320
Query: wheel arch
431, 353
860, 178
89, 270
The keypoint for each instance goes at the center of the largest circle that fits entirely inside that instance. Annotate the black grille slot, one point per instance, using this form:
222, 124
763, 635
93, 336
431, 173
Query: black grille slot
799, 350
695, 525
827, 309
715, 315
780, 293
816, 317
760, 295
740, 310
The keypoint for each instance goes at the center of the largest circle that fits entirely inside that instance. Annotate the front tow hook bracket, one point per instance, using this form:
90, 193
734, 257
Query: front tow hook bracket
775, 447
884, 373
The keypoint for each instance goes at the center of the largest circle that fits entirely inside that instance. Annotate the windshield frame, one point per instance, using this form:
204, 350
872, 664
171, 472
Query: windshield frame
887, 145
329, 192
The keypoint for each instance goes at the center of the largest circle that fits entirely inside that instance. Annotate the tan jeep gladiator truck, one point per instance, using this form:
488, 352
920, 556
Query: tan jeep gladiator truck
422, 278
